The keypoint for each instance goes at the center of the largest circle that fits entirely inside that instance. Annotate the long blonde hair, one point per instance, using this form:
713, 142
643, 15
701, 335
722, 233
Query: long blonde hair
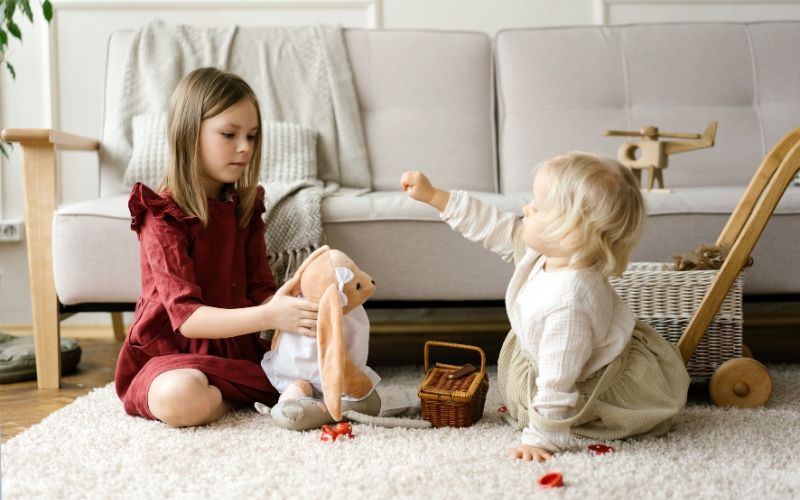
202, 94
600, 205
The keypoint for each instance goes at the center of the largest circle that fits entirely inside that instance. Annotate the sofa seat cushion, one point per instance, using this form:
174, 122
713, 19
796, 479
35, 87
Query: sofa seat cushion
774, 256
397, 205
680, 221
712, 200
95, 253
410, 253
96, 256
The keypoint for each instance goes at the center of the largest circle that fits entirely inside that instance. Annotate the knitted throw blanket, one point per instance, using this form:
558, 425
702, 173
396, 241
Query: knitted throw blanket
299, 74
293, 197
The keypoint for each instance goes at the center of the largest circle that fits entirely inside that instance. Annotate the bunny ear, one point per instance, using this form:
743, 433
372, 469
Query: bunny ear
331, 351
300, 270
316, 253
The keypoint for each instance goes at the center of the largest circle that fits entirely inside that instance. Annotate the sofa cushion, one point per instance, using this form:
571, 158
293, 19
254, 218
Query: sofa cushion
777, 82
560, 88
287, 149
95, 253
712, 200
427, 102
18, 357
150, 150
398, 206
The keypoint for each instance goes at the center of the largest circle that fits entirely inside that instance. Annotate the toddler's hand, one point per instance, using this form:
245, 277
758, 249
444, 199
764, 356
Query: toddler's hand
529, 453
293, 314
417, 186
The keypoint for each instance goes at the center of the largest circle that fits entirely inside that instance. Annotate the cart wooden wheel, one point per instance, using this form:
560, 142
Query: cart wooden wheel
746, 352
741, 382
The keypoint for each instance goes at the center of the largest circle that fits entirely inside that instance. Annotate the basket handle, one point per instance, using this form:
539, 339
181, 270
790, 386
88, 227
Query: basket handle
439, 343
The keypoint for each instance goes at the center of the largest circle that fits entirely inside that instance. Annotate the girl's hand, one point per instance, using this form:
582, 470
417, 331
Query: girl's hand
420, 188
292, 314
529, 453
417, 185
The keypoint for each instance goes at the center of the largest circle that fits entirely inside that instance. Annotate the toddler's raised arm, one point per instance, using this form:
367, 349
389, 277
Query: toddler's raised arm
417, 185
475, 220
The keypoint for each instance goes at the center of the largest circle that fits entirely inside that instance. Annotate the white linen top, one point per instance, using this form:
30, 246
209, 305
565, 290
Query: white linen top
297, 355
571, 322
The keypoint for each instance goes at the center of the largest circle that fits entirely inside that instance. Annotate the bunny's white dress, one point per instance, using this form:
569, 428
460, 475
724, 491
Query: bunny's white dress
297, 357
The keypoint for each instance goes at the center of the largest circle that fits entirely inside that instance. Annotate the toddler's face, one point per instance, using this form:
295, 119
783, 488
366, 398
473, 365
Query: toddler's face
226, 145
540, 213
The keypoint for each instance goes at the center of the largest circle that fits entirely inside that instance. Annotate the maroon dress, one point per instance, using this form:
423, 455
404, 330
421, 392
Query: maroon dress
184, 266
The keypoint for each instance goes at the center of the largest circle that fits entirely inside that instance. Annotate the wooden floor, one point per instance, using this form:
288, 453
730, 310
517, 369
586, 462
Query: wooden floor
771, 330
22, 404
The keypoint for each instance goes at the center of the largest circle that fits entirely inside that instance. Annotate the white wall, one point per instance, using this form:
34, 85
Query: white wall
60, 69
23, 103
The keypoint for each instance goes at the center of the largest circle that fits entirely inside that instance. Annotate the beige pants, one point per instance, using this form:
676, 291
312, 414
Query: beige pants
635, 394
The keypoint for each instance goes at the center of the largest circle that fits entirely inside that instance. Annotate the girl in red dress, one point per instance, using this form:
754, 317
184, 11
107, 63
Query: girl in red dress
193, 350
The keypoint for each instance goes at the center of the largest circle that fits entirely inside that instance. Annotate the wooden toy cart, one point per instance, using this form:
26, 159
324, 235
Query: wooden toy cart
744, 382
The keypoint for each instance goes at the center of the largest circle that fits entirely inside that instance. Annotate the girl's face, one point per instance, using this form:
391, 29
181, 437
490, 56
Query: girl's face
226, 144
540, 213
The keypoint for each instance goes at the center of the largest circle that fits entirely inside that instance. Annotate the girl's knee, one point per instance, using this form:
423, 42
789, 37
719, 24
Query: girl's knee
183, 398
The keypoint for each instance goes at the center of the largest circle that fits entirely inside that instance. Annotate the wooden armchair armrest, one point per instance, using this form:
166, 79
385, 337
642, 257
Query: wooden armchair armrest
44, 136
40, 179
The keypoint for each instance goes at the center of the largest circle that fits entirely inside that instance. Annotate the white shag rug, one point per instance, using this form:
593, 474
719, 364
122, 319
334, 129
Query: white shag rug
92, 449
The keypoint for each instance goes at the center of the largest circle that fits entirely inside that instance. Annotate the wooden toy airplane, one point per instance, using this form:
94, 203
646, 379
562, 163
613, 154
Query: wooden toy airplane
653, 153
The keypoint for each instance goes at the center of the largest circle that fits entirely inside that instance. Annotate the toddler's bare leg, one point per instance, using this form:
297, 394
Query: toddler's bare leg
184, 398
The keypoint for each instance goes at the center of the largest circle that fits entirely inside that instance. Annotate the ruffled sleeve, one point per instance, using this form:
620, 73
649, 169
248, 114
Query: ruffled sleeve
144, 200
165, 236
260, 281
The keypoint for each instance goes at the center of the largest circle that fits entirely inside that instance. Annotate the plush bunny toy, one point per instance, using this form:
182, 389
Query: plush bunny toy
332, 365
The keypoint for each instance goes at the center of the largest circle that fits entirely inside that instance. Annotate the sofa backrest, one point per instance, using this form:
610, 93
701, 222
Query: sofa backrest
560, 88
426, 99
427, 102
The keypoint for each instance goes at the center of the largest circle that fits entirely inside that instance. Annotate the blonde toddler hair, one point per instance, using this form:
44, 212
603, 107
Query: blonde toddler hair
600, 206
205, 93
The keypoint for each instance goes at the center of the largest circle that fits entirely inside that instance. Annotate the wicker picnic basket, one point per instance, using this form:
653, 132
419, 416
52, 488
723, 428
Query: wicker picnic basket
453, 402
666, 300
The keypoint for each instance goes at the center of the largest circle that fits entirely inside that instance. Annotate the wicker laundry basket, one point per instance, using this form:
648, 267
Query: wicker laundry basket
666, 300
453, 402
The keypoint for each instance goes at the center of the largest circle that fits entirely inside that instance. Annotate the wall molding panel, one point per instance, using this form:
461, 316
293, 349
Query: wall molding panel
642, 11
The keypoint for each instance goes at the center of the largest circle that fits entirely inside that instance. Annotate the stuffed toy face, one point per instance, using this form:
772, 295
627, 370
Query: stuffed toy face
326, 267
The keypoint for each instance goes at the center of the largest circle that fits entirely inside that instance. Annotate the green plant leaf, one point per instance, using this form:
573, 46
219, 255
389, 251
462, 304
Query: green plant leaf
47, 10
5, 147
25, 5
14, 29
3, 38
11, 70
10, 6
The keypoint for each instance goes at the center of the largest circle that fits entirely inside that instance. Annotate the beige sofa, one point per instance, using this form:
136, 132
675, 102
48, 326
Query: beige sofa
477, 113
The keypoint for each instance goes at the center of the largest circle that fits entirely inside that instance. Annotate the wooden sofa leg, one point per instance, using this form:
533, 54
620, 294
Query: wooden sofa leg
39, 177
118, 325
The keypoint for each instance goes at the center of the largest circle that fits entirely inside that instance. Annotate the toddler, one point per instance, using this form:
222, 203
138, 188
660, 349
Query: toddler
576, 360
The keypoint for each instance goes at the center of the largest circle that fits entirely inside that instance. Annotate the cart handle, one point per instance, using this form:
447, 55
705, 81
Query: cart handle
439, 343
743, 230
